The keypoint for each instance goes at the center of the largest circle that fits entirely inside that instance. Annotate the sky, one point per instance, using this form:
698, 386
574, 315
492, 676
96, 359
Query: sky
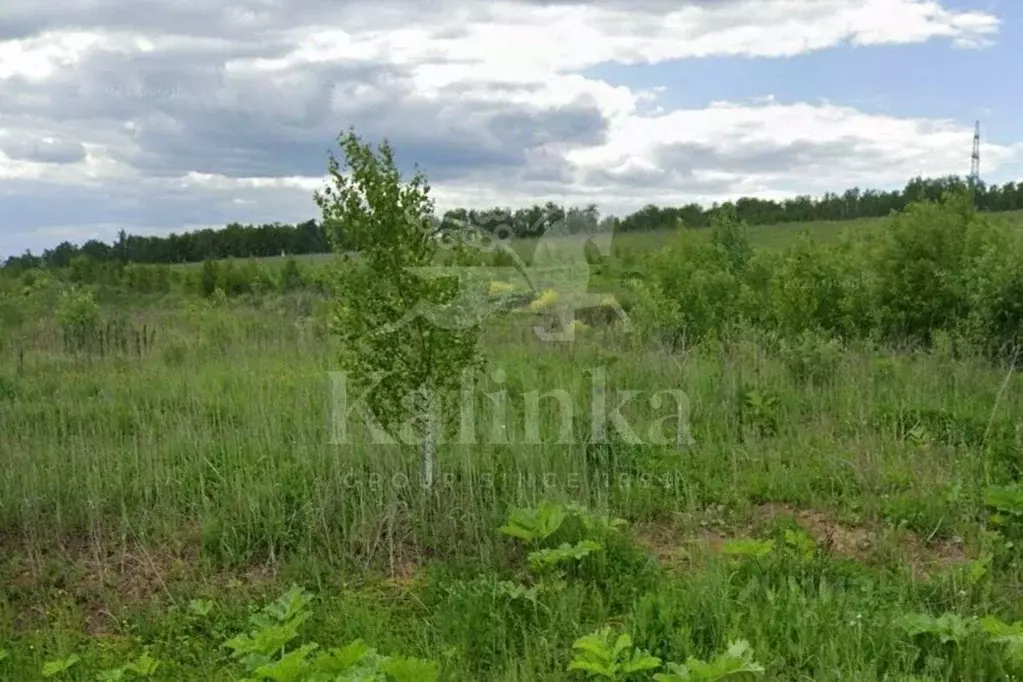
154, 116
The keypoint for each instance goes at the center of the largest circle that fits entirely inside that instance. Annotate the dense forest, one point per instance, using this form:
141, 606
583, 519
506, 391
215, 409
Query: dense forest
245, 241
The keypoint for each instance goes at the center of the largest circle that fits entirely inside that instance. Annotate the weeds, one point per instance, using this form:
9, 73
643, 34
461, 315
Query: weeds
147, 500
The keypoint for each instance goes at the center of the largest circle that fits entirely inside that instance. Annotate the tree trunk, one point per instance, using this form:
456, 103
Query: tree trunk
428, 446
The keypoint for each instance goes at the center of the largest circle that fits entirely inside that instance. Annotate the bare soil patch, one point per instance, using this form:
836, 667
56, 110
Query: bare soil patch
672, 543
103, 584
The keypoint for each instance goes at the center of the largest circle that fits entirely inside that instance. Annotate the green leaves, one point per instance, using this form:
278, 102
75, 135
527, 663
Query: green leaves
291, 604
946, 628
599, 657
292, 667
734, 664
1006, 499
275, 626
200, 607
801, 543
410, 670
407, 365
144, 666
264, 651
548, 558
748, 547
78, 315
54, 668
1009, 636
534, 525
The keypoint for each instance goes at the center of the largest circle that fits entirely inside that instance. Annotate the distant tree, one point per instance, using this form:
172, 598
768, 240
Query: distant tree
291, 275
209, 278
236, 240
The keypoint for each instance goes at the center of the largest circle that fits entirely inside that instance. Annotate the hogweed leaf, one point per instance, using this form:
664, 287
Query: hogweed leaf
52, 668
736, 662
623, 642
546, 558
596, 655
290, 604
144, 666
641, 661
410, 670
748, 547
292, 667
535, 524
200, 607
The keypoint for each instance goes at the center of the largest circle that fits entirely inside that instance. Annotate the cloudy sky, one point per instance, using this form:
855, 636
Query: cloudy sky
167, 115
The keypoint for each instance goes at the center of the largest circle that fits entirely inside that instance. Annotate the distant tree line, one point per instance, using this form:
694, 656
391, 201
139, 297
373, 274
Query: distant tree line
255, 241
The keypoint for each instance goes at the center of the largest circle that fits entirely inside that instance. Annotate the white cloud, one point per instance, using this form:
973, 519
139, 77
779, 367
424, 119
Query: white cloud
163, 115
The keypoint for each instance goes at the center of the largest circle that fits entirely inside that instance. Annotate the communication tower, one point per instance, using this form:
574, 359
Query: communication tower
975, 159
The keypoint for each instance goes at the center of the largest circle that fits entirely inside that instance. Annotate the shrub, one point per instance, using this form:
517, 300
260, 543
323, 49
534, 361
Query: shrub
808, 289
291, 275
209, 278
936, 266
995, 294
692, 290
78, 315
812, 357
923, 266
82, 268
11, 312
147, 278
235, 280
730, 236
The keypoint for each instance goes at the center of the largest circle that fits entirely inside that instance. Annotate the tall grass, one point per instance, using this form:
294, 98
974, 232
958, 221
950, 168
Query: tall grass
808, 407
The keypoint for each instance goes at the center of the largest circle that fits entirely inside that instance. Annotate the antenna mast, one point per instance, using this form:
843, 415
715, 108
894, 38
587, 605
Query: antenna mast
975, 159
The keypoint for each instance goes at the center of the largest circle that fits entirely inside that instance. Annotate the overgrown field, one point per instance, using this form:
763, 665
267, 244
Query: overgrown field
840, 501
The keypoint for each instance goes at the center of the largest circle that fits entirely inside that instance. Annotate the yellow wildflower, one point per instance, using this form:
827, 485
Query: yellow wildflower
546, 301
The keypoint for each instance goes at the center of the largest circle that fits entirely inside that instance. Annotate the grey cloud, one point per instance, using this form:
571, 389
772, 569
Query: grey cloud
548, 171
581, 124
763, 156
651, 5
252, 19
189, 114
633, 177
661, 179
23, 148
25, 18
113, 88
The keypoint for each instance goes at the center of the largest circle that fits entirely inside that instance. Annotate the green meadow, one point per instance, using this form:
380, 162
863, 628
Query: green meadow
838, 500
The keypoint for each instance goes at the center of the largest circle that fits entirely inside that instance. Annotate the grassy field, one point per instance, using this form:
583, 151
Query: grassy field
762, 236
847, 514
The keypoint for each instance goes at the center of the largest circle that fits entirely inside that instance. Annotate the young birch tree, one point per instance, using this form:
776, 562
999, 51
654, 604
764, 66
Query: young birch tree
408, 372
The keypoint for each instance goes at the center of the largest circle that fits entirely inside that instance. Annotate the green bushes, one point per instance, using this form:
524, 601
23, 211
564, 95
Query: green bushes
78, 315
147, 278
693, 289
922, 267
816, 289
936, 268
291, 276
